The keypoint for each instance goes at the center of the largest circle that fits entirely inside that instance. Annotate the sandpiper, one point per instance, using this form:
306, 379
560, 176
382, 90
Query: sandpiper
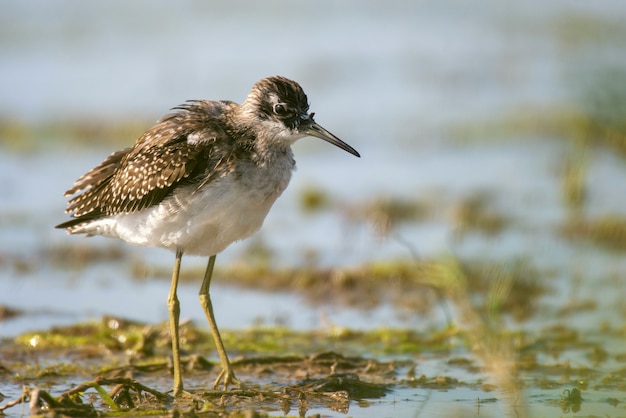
200, 179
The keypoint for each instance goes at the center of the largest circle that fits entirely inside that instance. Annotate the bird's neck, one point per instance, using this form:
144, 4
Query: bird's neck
266, 142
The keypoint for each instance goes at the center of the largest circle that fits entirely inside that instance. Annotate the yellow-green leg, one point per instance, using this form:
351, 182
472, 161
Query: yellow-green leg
227, 374
174, 309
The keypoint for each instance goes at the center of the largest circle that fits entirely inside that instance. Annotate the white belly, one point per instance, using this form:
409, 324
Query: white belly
202, 223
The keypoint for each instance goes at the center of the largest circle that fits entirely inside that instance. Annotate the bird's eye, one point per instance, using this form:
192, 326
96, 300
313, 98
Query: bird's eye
280, 109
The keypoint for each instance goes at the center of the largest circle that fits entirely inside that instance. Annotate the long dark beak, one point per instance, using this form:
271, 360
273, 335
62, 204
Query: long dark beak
317, 131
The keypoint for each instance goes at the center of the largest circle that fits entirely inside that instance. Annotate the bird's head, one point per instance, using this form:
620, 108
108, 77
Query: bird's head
280, 113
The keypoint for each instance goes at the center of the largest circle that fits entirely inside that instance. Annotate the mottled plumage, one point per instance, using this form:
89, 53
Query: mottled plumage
191, 146
203, 177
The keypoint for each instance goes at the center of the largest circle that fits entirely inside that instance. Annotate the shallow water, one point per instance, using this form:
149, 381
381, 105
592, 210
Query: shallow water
532, 201
415, 88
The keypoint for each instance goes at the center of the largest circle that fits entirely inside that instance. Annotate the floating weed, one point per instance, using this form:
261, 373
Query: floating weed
596, 117
77, 256
476, 213
314, 199
386, 213
577, 306
333, 366
323, 378
608, 231
296, 370
22, 136
577, 30
397, 210
571, 400
7, 312
574, 180
614, 380
493, 345
70, 402
102, 333
415, 285
435, 382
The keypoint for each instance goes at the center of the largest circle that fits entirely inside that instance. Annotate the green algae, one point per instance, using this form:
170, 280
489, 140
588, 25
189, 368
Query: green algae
293, 369
115, 334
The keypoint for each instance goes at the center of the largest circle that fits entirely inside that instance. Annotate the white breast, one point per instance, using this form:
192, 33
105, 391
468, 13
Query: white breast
205, 221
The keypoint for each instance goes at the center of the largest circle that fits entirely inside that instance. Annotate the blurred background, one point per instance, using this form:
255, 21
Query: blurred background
484, 130
492, 132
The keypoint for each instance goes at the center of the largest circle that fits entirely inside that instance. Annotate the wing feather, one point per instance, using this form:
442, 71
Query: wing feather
179, 149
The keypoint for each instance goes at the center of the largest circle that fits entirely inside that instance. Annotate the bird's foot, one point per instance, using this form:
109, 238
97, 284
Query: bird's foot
183, 393
228, 376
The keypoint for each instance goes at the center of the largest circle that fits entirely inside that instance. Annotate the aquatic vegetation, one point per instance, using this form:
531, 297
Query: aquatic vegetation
608, 231
119, 373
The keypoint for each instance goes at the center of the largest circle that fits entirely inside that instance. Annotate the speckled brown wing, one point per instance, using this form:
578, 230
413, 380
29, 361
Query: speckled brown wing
181, 147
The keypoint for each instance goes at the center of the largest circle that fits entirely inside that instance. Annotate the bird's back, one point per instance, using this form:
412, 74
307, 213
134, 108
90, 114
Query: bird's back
193, 182
194, 141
